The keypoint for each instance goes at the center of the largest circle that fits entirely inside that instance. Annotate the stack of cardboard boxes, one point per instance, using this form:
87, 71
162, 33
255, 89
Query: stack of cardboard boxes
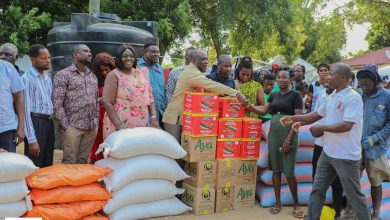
223, 148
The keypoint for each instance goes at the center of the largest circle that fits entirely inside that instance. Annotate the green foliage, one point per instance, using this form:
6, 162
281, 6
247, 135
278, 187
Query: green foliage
378, 36
357, 53
19, 28
326, 38
172, 17
377, 13
265, 29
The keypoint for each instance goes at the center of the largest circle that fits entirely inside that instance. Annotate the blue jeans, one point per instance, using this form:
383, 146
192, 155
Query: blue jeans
349, 173
7, 140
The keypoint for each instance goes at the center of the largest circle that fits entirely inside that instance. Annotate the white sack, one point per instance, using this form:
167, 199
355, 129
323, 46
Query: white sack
140, 141
125, 171
13, 191
141, 191
15, 209
14, 166
166, 207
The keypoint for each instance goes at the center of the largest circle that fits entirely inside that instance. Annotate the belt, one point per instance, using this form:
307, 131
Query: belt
283, 113
47, 117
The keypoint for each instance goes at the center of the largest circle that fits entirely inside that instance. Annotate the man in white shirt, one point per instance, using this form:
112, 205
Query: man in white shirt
342, 132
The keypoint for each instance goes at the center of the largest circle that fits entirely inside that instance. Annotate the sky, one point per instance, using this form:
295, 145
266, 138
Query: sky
355, 35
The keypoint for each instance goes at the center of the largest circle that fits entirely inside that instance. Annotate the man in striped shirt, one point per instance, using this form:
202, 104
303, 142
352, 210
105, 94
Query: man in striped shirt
39, 128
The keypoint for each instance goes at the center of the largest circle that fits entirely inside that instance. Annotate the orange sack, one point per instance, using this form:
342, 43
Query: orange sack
66, 194
66, 211
66, 175
96, 216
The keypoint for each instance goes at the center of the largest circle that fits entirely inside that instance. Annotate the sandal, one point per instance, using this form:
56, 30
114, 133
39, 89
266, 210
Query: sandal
275, 210
298, 213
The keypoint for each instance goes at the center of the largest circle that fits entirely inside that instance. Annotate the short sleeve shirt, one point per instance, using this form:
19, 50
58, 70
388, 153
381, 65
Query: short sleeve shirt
10, 83
285, 103
345, 105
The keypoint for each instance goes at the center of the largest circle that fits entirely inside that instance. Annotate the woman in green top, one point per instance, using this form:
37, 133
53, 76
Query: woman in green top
248, 87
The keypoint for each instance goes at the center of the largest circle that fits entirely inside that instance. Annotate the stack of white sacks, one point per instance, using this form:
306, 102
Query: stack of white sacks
14, 199
142, 183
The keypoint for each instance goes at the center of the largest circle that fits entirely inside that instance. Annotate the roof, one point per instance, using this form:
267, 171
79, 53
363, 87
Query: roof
378, 57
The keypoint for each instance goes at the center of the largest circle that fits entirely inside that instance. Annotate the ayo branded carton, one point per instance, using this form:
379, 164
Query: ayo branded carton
244, 196
202, 173
199, 148
246, 173
202, 200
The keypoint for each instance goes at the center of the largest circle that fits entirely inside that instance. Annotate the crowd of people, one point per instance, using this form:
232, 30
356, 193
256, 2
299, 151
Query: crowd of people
92, 98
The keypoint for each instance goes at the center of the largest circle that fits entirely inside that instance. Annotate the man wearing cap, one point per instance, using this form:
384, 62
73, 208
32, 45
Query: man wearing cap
9, 52
376, 131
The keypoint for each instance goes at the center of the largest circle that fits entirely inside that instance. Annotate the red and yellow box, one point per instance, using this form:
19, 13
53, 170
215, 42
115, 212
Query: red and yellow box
250, 149
231, 108
201, 103
200, 124
228, 148
229, 128
251, 128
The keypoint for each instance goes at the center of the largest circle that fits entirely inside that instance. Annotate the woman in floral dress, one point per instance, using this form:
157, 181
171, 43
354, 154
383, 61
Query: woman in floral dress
127, 95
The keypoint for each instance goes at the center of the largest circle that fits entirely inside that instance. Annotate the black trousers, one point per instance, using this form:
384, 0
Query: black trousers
7, 140
337, 188
44, 132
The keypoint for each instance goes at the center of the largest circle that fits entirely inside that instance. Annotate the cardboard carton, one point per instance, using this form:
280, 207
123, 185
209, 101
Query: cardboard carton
202, 200
199, 148
246, 173
202, 173
200, 124
229, 128
250, 149
227, 170
251, 128
224, 199
231, 108
244, 196
201, 103
228, 149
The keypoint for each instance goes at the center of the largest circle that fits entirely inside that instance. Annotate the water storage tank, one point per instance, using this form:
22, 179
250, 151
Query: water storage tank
101, 32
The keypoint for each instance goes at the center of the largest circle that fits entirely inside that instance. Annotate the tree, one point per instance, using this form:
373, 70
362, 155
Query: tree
24, 24
21, 28
325, 39
265, 29
378, 36
172, 17
377, 13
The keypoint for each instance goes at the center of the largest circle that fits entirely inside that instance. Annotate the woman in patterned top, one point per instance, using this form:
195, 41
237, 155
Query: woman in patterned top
245, 84
127, 95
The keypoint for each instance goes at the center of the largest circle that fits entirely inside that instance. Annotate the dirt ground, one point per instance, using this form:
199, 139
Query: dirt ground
254, 213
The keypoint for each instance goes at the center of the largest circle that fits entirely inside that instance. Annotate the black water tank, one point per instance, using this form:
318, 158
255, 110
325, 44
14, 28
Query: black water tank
101, 32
